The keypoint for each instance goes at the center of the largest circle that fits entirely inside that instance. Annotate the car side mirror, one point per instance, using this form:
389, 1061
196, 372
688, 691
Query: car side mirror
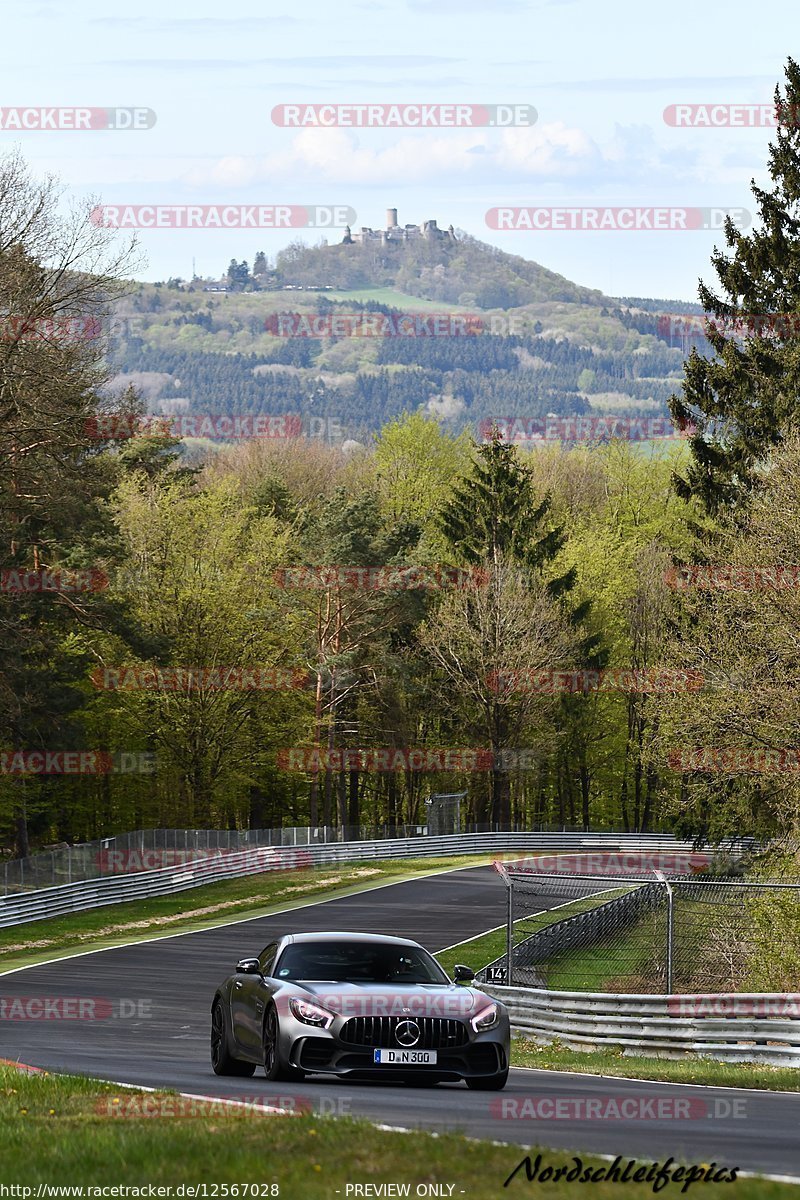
462, 974
248, 966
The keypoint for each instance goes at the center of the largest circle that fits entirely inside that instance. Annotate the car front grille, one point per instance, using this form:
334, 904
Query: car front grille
436, 1033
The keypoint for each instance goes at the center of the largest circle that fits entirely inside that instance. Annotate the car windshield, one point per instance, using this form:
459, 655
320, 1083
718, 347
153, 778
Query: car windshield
358, 962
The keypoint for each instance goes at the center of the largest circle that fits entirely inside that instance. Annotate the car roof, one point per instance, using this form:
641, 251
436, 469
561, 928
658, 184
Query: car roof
338, 936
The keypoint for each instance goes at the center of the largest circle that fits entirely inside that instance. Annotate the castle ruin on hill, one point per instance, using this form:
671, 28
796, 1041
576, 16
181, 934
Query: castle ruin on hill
428, 231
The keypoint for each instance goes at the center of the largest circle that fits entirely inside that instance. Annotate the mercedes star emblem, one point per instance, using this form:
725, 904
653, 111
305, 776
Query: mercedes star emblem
407, 1033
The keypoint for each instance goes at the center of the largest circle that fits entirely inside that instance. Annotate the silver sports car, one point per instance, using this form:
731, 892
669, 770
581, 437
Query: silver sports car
361, 1006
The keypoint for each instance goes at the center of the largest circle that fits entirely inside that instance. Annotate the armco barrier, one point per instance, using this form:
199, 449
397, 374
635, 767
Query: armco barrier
150, 849
115, 889
752, 1027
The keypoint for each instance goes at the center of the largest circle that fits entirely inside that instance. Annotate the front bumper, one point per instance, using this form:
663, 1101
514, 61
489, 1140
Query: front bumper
326, 1056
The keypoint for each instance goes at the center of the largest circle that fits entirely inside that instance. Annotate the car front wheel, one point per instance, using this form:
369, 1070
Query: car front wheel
274, 1068
221, 1059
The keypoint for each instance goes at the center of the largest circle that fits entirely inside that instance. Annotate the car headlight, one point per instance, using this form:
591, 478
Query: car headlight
311, 1014
487, 1018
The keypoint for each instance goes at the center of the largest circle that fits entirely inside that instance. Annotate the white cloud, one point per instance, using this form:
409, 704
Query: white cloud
339, 156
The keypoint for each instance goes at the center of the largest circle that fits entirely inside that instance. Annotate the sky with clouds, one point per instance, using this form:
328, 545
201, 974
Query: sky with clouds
599, 76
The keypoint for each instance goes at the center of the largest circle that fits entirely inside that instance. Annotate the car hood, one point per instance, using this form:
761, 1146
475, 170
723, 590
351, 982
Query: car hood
391, 1000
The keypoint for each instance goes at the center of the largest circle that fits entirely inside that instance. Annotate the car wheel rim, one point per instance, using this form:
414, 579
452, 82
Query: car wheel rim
270, 1042
217, 1035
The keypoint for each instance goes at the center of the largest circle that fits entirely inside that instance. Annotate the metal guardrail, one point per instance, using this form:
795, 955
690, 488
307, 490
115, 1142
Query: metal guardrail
150, 849
750, 1027
116, 889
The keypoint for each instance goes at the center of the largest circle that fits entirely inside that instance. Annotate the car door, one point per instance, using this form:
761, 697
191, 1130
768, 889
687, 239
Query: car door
248, 996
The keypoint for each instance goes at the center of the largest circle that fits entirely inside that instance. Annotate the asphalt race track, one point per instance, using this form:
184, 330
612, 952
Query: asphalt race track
154, 999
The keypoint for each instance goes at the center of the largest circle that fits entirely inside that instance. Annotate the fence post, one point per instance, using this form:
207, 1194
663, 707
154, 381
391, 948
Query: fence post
670, 938
670, 928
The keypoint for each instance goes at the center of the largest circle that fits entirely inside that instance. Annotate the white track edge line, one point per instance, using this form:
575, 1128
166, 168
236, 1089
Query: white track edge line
163, 937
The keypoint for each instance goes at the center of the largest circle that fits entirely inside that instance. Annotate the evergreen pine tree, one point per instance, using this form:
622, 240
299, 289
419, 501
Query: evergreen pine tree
496, 516
743, 401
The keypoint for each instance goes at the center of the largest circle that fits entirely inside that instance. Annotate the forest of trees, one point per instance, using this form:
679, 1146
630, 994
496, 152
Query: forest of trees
262, 625
487, 375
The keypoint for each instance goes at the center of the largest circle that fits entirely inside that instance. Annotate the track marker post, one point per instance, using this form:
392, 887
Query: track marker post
503, 873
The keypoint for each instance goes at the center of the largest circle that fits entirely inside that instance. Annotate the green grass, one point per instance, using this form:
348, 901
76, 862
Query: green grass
634, 960
593, 969
206, 906
486, 947
688, 1069
622, 963
383, 295
57, 1130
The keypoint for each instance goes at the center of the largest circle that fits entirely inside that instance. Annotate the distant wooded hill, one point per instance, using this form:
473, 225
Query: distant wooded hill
561, 348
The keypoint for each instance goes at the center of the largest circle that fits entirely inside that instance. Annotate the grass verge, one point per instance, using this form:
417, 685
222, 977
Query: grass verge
56, 1130
622, 963
486, 947
690, 1069
206, 906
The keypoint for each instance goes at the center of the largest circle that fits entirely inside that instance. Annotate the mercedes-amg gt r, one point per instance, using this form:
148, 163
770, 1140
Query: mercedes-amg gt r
360, 1006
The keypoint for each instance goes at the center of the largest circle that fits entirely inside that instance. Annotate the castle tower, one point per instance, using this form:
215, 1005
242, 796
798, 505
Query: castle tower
391, 218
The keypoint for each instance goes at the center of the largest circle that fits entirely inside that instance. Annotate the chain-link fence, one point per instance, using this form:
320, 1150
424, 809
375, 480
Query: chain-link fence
151, 849
656, 932
444, 813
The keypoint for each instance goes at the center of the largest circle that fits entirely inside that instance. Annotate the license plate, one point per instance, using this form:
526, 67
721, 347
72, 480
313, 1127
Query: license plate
405, 1058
